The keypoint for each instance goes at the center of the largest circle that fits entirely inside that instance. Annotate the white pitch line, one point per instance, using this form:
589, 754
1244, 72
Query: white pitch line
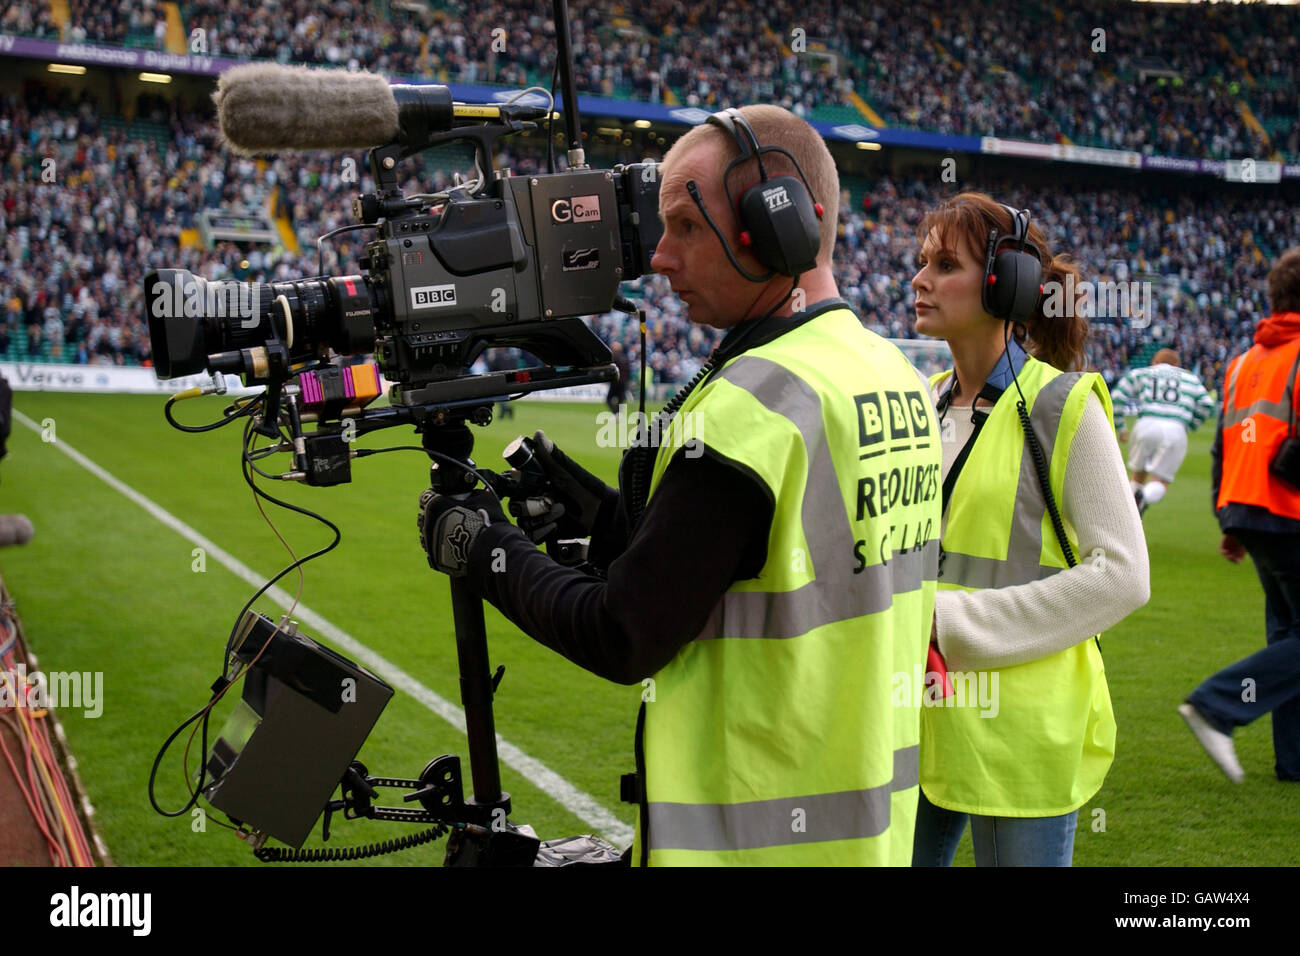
581, 804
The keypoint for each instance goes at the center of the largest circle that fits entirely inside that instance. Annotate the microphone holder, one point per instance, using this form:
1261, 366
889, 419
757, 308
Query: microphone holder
568, 89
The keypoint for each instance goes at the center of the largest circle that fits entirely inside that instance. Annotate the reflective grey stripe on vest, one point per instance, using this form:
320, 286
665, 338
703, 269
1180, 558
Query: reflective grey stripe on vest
1232, 382
836, 594
1280, 410
1025, 547
847, 815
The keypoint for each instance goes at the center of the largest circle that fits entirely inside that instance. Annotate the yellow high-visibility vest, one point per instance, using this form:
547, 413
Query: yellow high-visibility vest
1051, 739
787, 732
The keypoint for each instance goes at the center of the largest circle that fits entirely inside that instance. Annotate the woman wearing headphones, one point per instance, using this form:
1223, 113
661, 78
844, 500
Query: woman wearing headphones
1027, 579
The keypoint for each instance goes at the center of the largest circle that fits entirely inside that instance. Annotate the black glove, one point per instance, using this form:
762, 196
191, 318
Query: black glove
450, 526
573, 503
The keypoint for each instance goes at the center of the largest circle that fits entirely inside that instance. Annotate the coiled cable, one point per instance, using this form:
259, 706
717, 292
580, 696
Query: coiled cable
644, 454
284, 854
1040, 466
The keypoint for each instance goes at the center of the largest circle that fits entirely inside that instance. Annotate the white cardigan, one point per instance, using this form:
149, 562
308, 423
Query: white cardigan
982, 630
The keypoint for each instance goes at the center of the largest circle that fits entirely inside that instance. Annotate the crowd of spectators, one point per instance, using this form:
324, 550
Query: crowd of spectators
30, 20
1099, 72
86, 212
114, 21
1205, 253
1205, 257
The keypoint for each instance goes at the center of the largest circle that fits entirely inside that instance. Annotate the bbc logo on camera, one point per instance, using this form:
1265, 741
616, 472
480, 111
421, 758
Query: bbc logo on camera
433, 296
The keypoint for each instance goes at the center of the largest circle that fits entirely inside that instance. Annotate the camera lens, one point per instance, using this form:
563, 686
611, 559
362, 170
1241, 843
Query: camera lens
191, 318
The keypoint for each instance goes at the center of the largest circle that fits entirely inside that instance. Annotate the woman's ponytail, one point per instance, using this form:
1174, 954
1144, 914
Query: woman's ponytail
1058, 332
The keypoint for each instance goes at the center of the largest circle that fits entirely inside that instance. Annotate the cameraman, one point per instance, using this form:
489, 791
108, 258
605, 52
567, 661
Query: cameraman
779, 586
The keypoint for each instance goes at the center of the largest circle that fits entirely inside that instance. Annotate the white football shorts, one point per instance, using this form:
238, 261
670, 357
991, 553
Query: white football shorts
1157, 446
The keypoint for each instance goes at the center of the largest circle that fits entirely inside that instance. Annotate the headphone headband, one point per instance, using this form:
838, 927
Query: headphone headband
1020, 231
731, 120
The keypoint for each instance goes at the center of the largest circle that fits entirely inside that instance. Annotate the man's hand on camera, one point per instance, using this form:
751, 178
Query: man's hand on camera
450, 526
574, 501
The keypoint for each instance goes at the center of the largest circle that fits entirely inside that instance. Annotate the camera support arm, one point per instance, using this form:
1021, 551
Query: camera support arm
454, 440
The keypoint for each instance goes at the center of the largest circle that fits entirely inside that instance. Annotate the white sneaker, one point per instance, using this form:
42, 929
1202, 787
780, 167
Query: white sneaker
1217, 744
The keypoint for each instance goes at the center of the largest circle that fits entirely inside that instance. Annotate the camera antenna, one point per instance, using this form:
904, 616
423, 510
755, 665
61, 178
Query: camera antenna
572, 126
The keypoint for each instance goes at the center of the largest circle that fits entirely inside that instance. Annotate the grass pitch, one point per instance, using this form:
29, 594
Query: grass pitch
106, 587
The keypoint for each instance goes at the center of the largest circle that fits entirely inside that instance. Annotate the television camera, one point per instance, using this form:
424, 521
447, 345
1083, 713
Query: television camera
498, 262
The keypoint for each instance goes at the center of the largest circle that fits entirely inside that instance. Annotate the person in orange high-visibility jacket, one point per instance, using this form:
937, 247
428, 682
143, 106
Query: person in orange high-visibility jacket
1259, 513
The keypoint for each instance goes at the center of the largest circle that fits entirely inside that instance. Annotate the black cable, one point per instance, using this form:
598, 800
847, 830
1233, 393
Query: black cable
438, 456
1036, 452
257, 454
204, 712
694, 190
641, 319
320, 248
1040, 466
277, 854
273, 449
1041, 469
266, 451
232, 412
363, 452
267, 475
550, 121
644, 455
338, 536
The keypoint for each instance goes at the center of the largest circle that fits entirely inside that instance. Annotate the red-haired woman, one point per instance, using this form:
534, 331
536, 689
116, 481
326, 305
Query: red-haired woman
1027, 578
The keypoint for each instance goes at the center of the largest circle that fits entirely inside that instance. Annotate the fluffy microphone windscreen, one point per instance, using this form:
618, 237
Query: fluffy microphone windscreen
267, 108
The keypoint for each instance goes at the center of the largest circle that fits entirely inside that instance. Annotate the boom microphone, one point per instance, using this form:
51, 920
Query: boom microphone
269, 108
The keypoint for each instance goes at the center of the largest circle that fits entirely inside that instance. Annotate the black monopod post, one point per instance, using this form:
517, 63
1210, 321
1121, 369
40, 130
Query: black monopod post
455, 440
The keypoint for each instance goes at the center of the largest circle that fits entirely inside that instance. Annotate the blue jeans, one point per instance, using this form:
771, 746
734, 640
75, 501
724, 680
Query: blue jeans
999, 841
1273, 674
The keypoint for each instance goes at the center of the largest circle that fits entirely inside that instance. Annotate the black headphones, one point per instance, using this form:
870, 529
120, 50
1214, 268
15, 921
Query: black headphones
1013, 278
779, 216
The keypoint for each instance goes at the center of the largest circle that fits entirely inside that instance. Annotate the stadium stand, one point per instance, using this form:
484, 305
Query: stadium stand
74, 258
1203, 82
1180, 80
30, 20
121, 23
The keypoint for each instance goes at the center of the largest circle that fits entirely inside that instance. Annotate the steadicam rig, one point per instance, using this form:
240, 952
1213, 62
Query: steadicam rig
496, 262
